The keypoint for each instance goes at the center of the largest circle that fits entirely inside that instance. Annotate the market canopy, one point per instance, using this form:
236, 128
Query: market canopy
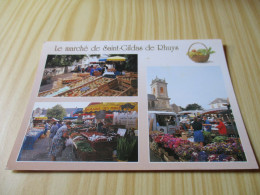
70, 118
215, 110
102, 59
41, 118
116, 59
112, 106
78, 110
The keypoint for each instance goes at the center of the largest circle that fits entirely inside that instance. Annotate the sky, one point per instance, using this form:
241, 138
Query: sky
47, 105
190, 84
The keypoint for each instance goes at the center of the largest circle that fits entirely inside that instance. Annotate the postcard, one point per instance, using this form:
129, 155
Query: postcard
132, 106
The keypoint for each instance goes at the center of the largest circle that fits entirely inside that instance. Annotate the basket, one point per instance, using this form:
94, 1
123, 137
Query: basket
198, 58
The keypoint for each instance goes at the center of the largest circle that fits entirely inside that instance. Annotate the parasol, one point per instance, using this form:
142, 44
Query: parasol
112, 106
116, 59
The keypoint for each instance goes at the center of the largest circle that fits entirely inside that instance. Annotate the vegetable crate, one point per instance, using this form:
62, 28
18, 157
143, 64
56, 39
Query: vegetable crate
86, 156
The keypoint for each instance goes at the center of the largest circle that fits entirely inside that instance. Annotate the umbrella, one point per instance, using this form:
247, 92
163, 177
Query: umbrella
116, 59
112, 106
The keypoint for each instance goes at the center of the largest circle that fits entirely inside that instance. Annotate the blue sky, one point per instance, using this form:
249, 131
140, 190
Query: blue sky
190, 84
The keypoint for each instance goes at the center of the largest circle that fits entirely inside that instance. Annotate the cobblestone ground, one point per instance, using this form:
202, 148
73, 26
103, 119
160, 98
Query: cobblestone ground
41, 150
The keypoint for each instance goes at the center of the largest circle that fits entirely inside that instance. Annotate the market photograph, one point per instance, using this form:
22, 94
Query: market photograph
90, 75
82, 131
190, 117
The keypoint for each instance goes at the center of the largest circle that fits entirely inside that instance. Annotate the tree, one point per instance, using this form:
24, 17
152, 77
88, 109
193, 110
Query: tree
130, 63
193, 106
57, 112
62, 60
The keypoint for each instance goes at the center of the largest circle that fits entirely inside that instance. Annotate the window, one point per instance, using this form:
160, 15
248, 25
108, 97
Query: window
161, 89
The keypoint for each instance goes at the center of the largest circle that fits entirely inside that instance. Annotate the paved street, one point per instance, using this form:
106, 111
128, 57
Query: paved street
54, 78
41, 150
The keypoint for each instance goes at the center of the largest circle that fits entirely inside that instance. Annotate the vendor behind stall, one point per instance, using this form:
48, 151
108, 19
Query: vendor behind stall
206, 124
221, 127
100, 126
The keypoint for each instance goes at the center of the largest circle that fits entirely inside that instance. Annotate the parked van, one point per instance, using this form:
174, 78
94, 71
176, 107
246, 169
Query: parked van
166, 122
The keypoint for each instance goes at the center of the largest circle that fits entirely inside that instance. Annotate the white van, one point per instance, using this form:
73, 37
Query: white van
166, 122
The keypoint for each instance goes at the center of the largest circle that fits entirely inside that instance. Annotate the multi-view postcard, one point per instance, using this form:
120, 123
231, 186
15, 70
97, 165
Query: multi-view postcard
132, 105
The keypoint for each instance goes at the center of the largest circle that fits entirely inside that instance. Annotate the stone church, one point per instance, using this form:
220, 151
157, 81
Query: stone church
159, 99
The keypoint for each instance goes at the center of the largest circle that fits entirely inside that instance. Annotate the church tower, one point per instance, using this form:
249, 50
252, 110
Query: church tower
159, 90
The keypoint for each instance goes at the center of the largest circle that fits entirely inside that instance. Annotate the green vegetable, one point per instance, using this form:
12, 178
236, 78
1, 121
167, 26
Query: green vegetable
200, 52
125, 147
84, 146
220, 139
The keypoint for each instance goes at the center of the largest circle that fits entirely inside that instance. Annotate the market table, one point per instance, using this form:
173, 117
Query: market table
26, 25
29, 140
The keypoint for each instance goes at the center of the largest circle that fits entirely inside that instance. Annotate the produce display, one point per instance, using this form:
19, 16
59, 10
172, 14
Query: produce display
82, 82
85, 85
199, 55
71, 79
83, 74
84, 146
86, 88
97, 137
200, 52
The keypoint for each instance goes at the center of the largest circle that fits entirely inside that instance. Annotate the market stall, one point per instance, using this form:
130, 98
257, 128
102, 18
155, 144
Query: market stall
83, 84
31, 137
98, 141
173, 149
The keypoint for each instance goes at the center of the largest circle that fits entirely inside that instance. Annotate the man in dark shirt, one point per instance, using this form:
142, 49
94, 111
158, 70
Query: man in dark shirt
198, 135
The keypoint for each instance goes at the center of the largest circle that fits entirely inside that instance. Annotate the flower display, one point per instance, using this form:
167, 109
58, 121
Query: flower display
228, 149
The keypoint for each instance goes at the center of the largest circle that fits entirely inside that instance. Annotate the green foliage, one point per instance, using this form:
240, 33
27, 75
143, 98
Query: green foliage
57, 112
193, 106
207, 137
125, 147
131, 61
220, 139
200, 52
84, 146
62, 60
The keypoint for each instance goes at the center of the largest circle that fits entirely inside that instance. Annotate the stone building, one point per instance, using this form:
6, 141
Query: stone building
158, 99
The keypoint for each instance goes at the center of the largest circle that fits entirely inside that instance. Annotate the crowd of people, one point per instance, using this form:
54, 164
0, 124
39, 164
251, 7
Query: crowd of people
199, 124
99, 68
57, 137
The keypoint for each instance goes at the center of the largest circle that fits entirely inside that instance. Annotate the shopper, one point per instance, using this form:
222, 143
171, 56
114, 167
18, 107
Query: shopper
100, 126
198, 135
53, 131
58, 141
46, 127
206, 124
221, 127
59, 124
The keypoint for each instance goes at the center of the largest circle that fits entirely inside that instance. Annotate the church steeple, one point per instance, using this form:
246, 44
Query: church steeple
159, 90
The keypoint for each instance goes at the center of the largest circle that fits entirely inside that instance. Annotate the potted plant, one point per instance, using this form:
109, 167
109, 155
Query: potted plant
124, 148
